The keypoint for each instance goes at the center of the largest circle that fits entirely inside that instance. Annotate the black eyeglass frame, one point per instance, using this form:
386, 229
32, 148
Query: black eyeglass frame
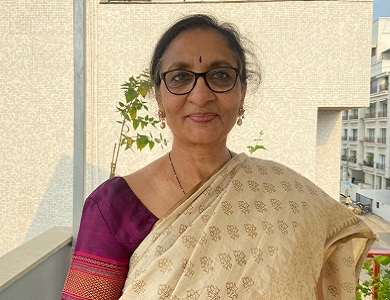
197, 75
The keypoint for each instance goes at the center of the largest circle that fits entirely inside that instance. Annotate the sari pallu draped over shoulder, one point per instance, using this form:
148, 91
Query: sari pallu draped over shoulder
254, 230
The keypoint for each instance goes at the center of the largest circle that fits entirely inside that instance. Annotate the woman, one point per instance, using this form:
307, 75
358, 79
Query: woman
202, 222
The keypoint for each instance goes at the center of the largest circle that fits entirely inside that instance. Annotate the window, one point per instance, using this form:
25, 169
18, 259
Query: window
379, 180
383, 109
352, 156
382, 136
354, 135
345, 115
369, 159
388, 183
381, 164
370, 138
373, 86
345, 135
373, 51
370, 111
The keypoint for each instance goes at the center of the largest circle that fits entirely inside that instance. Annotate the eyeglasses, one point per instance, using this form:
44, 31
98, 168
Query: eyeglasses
181, 82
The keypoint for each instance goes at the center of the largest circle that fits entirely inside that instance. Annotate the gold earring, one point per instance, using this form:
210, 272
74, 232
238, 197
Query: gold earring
240, 116
161, 116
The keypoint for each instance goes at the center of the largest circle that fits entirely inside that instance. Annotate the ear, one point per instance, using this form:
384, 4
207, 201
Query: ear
243, 93
158, 98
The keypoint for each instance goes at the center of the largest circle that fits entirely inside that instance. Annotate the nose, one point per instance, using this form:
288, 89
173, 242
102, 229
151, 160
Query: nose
201, 93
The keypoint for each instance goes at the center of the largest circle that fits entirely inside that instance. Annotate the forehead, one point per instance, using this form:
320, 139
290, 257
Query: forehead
188, 47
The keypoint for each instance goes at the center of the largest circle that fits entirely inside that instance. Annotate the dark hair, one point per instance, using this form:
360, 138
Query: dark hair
227, 31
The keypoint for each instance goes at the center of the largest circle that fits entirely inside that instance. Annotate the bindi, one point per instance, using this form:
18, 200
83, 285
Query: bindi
200, 59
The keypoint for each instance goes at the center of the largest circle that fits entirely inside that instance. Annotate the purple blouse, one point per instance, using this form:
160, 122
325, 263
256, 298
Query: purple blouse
114, 222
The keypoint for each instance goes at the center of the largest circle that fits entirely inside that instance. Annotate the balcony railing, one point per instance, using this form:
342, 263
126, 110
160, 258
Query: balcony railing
351, 159
380, 166
383, 87
381, 140
376, 267
345, 117
353, 138
382, 114
368, 163
354, 117
369, 139
344, 138
37, 269
370, 115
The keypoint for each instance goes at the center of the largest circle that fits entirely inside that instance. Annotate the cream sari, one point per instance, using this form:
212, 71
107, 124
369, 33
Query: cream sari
253, 230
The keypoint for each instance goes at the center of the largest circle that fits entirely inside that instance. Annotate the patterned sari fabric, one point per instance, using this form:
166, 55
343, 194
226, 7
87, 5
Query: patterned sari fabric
253, 230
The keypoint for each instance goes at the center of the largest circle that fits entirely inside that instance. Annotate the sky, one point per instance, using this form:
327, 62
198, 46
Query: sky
381, 9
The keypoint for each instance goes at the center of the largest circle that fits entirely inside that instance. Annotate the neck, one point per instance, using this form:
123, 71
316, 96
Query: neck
193, 166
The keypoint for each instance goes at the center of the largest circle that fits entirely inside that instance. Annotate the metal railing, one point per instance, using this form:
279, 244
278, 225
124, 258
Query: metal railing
354, 117
369, 139
376, 267
383, 87
381, 140
380, 166
370, 114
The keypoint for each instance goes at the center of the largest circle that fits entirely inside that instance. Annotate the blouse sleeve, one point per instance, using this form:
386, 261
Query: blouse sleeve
99, 264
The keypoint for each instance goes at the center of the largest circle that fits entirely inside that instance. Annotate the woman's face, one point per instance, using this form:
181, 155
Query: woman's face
202, 116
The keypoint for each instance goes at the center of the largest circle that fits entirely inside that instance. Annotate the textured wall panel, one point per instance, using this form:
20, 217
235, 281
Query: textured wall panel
36, 118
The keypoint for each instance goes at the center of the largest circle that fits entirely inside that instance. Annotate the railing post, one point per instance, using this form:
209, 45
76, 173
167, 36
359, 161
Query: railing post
79, 24
376, 269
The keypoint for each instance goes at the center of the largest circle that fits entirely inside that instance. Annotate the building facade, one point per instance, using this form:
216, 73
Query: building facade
365, 147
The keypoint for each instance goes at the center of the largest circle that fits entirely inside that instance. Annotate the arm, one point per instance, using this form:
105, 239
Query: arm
99, 264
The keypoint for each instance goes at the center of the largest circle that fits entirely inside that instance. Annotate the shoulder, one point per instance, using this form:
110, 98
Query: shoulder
113, 187
116, 208
276, 176
115, 198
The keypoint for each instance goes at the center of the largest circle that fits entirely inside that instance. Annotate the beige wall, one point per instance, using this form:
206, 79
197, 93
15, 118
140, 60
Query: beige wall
314, 53
36, 118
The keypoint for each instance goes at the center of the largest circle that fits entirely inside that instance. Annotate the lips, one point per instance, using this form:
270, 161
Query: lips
202, 117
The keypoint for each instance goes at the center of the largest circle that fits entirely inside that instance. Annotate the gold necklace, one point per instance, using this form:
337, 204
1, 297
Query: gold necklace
174, 171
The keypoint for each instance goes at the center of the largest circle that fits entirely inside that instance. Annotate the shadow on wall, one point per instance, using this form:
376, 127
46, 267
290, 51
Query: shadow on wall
55, 208
326, 122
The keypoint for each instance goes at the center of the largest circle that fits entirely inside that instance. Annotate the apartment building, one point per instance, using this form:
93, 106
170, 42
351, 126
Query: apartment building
365, 146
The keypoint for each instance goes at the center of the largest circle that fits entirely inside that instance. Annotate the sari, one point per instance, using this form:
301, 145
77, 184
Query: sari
253, 230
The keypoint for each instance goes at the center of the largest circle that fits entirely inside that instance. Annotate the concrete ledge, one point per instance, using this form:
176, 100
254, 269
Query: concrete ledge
28, 256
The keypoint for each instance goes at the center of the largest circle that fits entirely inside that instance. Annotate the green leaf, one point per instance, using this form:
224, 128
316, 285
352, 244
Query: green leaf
121, 104
142, 141
131, 94
129, 141
382, 259
143, 90
135, 124
151, 145
133, 112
